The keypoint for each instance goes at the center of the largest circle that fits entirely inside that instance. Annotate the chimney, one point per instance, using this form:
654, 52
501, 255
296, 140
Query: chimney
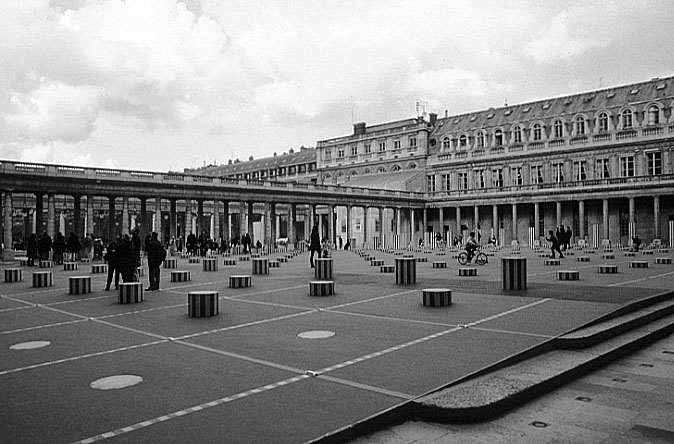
359, 129
434, 118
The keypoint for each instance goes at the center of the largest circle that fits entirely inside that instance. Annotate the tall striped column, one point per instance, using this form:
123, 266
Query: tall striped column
79, 284
514, 273
43, 279
260, 265
323, 270
406, 270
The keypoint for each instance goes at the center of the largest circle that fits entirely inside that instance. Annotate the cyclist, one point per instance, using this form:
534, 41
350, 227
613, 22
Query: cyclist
471, 246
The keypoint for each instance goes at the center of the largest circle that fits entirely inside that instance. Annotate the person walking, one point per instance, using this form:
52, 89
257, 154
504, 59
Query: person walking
315, 245
554, 244
111, 258
155, 256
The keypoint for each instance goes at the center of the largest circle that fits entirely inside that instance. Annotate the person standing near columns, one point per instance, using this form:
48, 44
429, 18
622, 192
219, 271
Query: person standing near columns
155, 256
315, 245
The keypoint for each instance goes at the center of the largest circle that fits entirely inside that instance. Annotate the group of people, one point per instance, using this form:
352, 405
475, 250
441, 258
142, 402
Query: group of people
43, 247
123, 258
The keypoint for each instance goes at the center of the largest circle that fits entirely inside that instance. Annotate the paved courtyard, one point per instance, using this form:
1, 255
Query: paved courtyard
276, 365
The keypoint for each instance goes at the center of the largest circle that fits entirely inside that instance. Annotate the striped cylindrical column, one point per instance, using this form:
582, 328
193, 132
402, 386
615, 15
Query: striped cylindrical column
99, 268
439, 264
274, 264
663, 260
321, 288
607, 269
514, 273
23, 261
568, 275
552, 262
43, 279
377, 262
170, 262
324, 269
282, 259
583, 259
202, 304
13, 274
241, 281
436, 297
229, 262
194, 260
46, 264
180, 276
639, 264
406, 271
387, 269
467, 271
422, 259
130, 292
260, 265
210, 264
244, 258
79, 284
607, 256
70, 266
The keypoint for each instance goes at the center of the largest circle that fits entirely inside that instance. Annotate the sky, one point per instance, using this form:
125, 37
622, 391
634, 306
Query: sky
163, 85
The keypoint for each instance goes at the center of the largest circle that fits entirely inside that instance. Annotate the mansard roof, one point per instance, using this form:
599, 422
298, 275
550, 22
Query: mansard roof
371, 130
565, 106
301, 157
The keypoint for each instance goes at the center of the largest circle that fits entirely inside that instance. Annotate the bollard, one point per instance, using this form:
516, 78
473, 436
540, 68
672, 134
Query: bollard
210, 264
323, 270
202, 304
514, 273
180, 276
43, 279
321, 288
13, 274
260, 265
79, 284
406, 271
436, 297
130, 292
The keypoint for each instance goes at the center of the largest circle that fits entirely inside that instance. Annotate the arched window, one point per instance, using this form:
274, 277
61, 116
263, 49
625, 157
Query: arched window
445, 144
627, 118
463, 141
498, 137
367, 171
381, 170
412, 166
480, 139
537, 131
559, 129
395, 168
653, 115
517, 134
580, 125
353, 173
327, 177
603, 122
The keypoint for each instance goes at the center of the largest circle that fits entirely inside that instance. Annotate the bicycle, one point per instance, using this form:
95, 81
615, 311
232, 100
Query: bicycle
480, 258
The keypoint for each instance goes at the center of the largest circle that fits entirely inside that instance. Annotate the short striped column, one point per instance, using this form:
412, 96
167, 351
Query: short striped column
377, 262
79, 284
194, 260
607, 269
170, 262
436, 297
229, 262
638, 264
244, 258
70, 266
387, 269
630, 254
202, 304
99, 268
552, 262
439, 264
85, 260
406, 271
130, 292
43, 279
568, 275
274, 264
663, 260
180, 276
210, 264
583, 259
663, 250
422, 259
323, 270
646, 252
282, 259
467, 271
22, 260
46, 264
608, 256
321, 288
240, 281
514, 273
13, 274
260, 265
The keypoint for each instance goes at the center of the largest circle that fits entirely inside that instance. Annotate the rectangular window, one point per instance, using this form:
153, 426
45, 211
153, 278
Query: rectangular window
328, 154
478, 176
368, 148
558, 172
446, 182
536, 174
382, 145
354, 150
497, 178
654, 159
463, 181
516, 176
396, 144
413, 142
340, 152
627, 166
603, 169
579, 170
430, 183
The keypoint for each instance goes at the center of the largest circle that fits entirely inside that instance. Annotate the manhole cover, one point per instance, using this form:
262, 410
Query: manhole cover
115, 382
29, 345
316, 334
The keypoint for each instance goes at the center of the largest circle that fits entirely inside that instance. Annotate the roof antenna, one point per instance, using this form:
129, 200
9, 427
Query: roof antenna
505, 102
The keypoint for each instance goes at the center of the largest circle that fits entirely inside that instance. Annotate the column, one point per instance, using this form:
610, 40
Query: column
537, 218
273, 224
227, 235
200, 217
331, 224
89, 221
381, 227
413, 226
7, 252
581, 219
365, 211
173, 218
157, 218
349, 226
494, 220
216, 221
250, 220
605, 217
143, 219
51, 213
125, 215
242, 219
476, 219
292, 214
515, 222
112, 219
39, 210
77, 215
267, 224
441, 218
425, 227
559, 214
188, 218
656, 217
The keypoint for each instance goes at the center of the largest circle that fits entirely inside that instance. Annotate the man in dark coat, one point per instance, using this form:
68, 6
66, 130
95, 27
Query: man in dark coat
31, 249
59, 246
111, 257
315, 245
155, 256
44, 246
126, 259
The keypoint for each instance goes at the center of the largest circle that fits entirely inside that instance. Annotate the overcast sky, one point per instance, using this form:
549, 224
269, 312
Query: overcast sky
164, 85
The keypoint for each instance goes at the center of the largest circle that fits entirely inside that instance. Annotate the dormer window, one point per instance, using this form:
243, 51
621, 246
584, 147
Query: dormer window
653, 115
480, 139
559, 129
463, 141
537, 132
627, 119
498, 137
445, 144
603, 122
580, 126
517, 134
